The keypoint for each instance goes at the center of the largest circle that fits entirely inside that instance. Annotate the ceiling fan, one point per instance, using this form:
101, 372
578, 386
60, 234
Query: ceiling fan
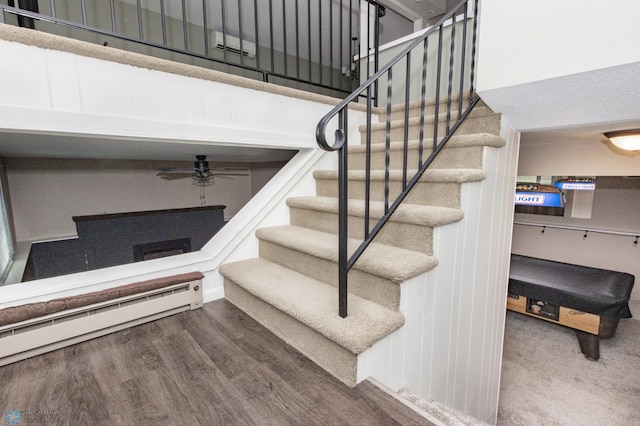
201, 174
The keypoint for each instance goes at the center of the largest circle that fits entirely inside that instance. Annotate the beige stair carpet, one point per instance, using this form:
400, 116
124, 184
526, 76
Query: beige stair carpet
291, 287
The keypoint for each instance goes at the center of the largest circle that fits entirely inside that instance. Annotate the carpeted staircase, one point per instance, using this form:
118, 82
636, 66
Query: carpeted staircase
291, 287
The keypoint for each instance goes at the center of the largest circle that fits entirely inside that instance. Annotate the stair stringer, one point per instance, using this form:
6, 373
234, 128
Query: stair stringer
450, 348
237, 240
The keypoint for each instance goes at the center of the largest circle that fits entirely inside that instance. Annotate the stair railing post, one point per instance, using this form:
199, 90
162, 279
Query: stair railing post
343, 215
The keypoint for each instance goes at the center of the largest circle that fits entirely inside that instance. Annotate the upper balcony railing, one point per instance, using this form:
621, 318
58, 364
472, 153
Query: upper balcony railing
304, 44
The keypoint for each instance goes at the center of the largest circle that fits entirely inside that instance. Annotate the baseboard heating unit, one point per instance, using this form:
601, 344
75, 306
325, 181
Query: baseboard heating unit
36, 328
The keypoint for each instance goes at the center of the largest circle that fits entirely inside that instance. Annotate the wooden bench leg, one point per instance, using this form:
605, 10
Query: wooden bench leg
589, 345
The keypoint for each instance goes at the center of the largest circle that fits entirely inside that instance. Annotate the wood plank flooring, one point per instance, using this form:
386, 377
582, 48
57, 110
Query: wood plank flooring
211, 366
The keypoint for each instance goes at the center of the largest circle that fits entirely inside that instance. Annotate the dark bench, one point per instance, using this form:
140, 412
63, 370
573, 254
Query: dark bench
589, 300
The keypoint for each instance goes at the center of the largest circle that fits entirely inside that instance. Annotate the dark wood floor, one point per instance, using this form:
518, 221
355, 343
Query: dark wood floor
212, 366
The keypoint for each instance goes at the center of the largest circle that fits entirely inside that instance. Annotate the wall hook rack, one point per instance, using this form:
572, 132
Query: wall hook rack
544, 227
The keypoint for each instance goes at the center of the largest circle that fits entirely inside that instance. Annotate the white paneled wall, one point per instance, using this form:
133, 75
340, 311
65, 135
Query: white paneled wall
46, 90
450, 349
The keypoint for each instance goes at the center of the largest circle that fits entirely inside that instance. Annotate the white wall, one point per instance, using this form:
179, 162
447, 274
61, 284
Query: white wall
450, 349
47, 193
523, 41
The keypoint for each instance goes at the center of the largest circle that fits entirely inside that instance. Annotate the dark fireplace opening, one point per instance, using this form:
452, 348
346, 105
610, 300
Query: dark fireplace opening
156, 250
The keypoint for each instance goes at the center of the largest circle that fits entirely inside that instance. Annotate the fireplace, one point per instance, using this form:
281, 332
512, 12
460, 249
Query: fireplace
155, 250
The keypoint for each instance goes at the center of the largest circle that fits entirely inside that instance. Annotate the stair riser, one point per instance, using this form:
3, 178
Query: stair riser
333, 358
489, 124
377, 289
429, 109
449, 158
430, 193
403, 235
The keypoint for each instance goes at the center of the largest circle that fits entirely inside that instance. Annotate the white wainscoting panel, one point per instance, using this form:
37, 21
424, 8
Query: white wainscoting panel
450, 349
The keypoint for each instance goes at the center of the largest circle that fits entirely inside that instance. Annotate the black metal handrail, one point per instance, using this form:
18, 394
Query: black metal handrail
293, 43
457, 60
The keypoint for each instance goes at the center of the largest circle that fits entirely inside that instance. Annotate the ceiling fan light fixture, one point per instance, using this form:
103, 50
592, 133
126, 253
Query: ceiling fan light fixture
628, 140
202, 180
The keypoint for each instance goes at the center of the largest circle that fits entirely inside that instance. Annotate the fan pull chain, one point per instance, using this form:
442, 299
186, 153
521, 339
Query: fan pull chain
203, 199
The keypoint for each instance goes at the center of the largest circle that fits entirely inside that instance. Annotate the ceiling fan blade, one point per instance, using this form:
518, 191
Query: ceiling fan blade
244, 169
227, 174
176, 169
174, 176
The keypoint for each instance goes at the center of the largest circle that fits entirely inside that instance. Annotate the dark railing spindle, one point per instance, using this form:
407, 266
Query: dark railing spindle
284, 36
114, 27
463, 57
255, 21
298, 41
320, 40
83, 6
271, 35
436, 114
140, 30
205, 26
450, 81
473, 48
159, 34
185, 29
423, 98
405, 148
163, 18
387, 140
367, 178
240, 32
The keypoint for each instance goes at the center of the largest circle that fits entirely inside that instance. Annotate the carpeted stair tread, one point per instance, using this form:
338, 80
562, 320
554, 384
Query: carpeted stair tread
460, 141
435, 175
414, 214
480, 111
314, 303
393, 263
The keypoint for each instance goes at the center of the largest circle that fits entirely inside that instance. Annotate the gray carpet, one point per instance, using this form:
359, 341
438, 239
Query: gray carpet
547, 381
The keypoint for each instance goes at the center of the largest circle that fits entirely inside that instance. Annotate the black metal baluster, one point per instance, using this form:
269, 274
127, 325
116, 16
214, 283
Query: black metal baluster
376, 45
284, 36
406, 122
367, 176
163, 17
53, 8
297, 41
271, 34
436, 113
387, 141
83, 6
343, 215
255, 21
331, 43
140, 30
423, 96
241, 33
309, 36
320, 39
113, 14
341, 42
473, 49
185, 30
205, 25
463, 57
450, 83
